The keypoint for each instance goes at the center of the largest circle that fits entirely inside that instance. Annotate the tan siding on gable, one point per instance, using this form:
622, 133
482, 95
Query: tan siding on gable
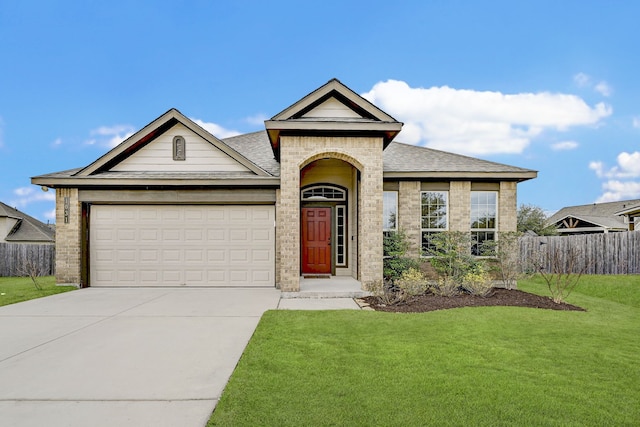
332, 108
200, 155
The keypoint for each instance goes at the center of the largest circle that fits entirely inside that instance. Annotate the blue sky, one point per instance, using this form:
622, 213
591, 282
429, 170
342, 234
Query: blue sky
545, 85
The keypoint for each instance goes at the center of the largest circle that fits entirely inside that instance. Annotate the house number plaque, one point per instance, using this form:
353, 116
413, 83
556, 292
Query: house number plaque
67, 206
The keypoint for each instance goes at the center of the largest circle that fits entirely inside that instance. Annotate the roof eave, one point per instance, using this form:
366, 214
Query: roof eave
458, 175
78, 182
275, 128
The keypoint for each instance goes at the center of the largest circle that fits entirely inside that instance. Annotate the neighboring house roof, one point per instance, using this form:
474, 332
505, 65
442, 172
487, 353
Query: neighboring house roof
26, 228
604, 216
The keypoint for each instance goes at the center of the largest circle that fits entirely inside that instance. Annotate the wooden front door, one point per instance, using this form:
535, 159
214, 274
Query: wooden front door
316, 240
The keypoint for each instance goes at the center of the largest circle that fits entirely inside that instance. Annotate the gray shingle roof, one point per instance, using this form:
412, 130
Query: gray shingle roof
257, 148
397, 158
603, 214
27, 229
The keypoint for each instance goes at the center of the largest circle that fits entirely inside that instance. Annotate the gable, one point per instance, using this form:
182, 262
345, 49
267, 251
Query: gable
332, 108
151, 142
200, 155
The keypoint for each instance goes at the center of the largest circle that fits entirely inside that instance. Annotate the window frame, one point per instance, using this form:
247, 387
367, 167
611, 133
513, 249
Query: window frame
424, 252
486, 230
395, 206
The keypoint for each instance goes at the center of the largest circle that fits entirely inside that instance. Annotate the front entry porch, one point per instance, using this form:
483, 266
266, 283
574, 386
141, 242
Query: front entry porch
330, 287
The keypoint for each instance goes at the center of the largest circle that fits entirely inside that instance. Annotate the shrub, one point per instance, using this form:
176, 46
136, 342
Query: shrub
396, 261
506, 251
477, 283
384, 293
445, 286
452, 255
412, 283
561, 270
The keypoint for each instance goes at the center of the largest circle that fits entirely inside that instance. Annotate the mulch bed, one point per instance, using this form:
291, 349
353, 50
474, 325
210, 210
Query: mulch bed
499, 297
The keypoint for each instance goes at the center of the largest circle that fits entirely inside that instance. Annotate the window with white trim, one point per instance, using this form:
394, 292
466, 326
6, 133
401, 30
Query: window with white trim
435, 217
341, 236
323, 192
484, 220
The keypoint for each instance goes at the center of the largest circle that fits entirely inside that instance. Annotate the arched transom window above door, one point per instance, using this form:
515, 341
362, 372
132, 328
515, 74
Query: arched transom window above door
323, 192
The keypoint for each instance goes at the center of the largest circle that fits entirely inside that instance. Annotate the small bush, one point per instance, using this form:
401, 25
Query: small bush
384, 293
477, 283
445, 286
396, 261
412, 283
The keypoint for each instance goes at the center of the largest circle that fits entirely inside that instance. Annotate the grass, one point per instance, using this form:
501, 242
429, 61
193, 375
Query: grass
18, 289
481, 366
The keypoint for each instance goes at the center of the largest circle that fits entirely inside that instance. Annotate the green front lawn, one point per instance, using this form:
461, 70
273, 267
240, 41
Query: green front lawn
487, 366
18, 289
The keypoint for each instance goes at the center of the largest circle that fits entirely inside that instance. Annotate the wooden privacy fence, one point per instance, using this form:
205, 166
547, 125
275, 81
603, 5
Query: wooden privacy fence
610, 253
14, 257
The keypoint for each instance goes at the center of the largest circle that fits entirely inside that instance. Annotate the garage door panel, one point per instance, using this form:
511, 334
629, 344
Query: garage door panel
135, 245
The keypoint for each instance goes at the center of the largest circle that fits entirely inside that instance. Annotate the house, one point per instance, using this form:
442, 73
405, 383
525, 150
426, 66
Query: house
596, 217
18, 227
309, 196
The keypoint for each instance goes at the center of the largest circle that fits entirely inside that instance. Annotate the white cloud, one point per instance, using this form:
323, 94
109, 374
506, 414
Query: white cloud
215, 129
618, 190
583, 80
110, 136
603, 89
472, 122
256, 120
28, 195
628, 167
56, 143
564, 146
620, 183
636, 122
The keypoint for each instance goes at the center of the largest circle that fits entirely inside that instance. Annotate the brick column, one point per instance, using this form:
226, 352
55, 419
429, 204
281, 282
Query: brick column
289, 217
460, 206
68, 235
507, 206
370, 221
410, 214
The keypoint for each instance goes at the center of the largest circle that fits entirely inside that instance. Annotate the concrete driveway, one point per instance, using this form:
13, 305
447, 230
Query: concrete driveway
123, 357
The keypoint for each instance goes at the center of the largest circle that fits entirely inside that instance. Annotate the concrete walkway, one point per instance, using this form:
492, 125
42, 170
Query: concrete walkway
128, 357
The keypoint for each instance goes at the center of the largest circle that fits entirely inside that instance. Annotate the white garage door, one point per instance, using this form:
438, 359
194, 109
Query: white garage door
188, 245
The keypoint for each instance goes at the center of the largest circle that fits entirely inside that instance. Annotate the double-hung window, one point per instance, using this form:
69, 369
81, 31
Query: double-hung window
435, 218
484, 220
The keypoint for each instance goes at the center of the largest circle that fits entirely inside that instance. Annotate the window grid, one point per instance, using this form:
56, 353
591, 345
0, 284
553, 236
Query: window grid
434, 219
341, 232
324, 192
484, 219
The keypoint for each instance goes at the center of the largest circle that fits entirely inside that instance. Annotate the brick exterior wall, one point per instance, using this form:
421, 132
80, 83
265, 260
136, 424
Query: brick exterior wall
460, 205
410, 213
365, 154
507, 207
68, 237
